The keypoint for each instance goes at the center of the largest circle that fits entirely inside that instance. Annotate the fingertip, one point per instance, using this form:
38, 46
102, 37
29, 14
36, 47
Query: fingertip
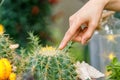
84, 40
61, 46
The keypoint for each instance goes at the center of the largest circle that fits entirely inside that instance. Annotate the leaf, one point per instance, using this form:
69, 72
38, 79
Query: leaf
115, 60
114, 68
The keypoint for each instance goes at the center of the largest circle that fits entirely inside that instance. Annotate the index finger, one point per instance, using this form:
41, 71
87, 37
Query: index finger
68, 35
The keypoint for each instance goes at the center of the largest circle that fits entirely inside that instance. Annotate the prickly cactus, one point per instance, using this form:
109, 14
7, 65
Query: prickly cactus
47, 63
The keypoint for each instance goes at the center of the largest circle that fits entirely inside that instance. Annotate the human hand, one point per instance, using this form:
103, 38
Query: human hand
88, 15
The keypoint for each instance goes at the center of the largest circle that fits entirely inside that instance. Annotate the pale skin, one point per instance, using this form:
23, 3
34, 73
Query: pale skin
89, 15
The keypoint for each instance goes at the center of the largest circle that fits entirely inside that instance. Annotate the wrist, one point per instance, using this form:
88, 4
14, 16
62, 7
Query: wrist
105, 2
101, 2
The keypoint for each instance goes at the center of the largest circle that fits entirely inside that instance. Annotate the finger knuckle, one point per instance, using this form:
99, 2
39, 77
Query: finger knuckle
79, 40
70, 19
88, 36
94, 24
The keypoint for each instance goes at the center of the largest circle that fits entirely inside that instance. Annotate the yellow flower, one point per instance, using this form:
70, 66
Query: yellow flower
47, 48
48, 51
111, 38
107, 73
111, 56
5, 69
1, 29
12, 76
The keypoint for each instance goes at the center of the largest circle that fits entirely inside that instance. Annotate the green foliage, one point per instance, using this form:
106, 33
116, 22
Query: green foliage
114, 68
21, 16
76, 52
1, 2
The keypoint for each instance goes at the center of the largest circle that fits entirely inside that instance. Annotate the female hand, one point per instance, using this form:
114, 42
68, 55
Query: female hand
88, 15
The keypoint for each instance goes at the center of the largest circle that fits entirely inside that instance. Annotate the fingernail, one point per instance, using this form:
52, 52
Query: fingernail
84, 41
61, 46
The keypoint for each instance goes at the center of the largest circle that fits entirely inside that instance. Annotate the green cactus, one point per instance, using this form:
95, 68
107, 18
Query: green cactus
4, 46
48, 63
36, 62
8, 48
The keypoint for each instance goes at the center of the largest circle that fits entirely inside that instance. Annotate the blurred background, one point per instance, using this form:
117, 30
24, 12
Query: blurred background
49, 19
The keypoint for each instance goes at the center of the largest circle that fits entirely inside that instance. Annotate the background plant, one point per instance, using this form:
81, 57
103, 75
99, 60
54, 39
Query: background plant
18, 17
114, 69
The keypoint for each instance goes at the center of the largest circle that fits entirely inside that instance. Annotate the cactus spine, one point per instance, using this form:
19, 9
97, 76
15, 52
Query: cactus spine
47, 63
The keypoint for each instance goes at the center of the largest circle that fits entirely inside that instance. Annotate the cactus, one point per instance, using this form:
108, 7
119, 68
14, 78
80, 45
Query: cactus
8, 54
36, 62
48, 63
7, 48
